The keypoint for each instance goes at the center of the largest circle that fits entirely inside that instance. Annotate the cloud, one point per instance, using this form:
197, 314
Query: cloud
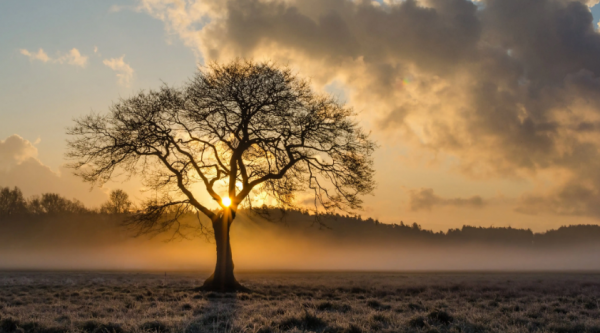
508, 88
570, 199
40, 55
73, 57
15, 150
425, 199
123, 70
19, 166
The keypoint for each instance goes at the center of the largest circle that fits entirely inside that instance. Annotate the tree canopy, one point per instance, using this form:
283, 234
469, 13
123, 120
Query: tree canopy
14, 204
118, 203
237, 129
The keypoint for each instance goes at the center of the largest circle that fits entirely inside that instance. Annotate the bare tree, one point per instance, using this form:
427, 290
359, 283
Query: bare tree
247, 133
55, 204
12, 202
118, 203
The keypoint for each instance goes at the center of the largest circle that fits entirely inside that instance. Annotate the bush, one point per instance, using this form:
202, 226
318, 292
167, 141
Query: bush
417, 322
441, 317
8, 325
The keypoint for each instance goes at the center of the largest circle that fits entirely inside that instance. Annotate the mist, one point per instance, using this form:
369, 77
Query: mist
295, 241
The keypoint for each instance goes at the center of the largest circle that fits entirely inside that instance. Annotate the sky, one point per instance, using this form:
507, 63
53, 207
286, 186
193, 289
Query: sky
486, 113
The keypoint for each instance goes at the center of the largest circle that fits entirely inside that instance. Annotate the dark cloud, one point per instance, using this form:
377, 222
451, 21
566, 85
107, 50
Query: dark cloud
510, 88
425, 199
433, 37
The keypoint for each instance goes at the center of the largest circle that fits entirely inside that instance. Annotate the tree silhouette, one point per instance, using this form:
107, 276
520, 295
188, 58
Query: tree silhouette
54, 204
12, 202
247, 133
118, 203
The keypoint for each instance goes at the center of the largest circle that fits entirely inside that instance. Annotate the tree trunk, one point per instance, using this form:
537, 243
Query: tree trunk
223, 279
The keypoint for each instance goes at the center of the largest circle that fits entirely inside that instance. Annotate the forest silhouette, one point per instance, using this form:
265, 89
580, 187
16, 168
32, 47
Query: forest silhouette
16, 210
63, 233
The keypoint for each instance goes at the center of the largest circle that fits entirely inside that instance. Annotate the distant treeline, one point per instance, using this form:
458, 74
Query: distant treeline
333, 226
14, 204
349, 227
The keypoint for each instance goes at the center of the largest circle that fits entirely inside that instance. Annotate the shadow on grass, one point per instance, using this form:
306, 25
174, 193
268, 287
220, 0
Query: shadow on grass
218, 315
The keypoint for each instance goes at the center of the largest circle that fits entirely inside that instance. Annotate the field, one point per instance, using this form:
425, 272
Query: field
300, 302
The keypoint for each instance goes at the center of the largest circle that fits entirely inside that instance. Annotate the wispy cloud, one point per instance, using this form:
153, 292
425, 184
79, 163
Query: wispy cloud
73, 57
123, 70
425, 199
39, 55
183, 18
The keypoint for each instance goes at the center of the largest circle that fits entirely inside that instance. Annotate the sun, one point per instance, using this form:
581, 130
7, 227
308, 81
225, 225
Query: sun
226, 201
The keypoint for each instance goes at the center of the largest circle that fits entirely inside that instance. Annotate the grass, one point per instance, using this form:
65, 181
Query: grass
94, 302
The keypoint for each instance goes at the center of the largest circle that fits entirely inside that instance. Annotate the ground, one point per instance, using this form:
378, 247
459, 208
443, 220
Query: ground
300, 302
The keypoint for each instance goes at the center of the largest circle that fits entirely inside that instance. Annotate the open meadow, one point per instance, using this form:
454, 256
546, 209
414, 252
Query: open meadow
300, 302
